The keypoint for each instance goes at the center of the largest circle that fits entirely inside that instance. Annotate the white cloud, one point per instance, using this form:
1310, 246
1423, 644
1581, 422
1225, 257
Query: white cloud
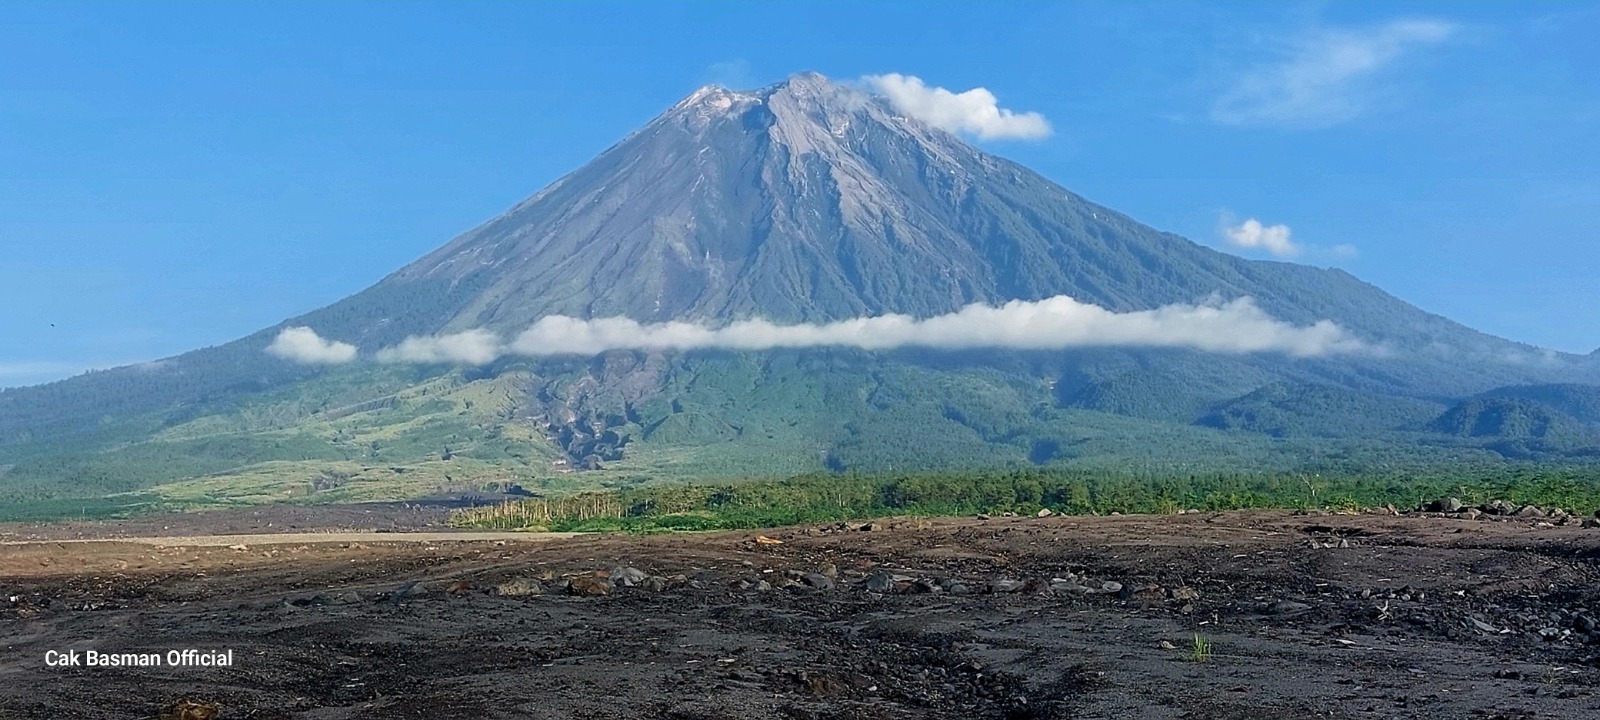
304, 345
1252, 235
472, 347
975, 112
1060, 322
1325, 77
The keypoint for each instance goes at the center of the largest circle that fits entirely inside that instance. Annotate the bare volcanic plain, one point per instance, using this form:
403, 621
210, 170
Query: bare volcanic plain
1200, 615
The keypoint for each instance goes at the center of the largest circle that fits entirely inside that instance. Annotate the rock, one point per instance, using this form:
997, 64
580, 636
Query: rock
879, 581
830, 570
1530, 511
1287, 607
654, 583
1591, 523
1472, 514
998, 587
413, 589
1183, 594
1497, 507
191, 710
958, 589
1110, 587
589, 586
870, 527
1481, 626
1037, 586
925, 586
459, 588
1068, 587
1044, 513
309, 600
518, 587
627, 576
1444, 505
818, 581
1142, 594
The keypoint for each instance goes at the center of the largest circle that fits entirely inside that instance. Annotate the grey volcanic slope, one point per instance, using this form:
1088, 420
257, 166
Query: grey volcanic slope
810, 200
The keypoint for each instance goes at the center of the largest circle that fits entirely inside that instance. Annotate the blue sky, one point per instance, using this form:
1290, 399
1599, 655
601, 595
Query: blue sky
178, 175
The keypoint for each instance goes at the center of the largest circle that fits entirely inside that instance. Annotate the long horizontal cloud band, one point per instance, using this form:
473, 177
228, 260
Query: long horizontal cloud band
1239, 326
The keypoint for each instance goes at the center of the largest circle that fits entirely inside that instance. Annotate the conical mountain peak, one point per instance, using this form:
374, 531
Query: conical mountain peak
810, 84
802, 110
799, 84
811, 200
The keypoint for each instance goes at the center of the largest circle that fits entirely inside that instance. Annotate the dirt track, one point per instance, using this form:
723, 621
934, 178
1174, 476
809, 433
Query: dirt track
1425, 617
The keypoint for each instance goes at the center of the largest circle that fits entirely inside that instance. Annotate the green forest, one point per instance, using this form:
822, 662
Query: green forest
823, 498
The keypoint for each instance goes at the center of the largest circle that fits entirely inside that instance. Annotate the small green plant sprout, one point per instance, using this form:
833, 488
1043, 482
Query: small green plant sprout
1201, 650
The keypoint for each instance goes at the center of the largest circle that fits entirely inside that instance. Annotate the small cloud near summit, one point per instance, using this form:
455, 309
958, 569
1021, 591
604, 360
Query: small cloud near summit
1253, 235
976, 112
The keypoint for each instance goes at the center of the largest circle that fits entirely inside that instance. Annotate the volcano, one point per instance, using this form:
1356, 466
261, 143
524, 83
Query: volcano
808, 201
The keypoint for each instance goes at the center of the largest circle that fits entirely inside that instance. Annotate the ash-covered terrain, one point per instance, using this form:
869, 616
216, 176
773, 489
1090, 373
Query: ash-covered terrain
1198, 615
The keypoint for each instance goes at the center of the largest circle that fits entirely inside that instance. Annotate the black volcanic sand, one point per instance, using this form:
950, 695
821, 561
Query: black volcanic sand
1416, 617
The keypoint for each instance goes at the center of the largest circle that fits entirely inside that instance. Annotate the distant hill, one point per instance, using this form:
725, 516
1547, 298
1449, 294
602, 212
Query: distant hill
1308, 410
1581, 402
1506, 417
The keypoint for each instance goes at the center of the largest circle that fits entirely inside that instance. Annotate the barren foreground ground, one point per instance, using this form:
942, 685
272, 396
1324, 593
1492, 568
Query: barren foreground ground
1339, 616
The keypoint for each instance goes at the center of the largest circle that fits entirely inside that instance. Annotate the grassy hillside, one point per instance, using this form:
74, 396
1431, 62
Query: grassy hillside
383, 433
